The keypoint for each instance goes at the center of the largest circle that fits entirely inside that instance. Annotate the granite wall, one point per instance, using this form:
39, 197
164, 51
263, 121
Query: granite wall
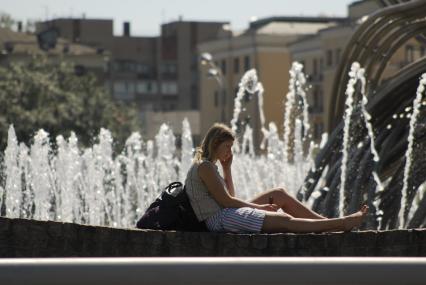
30, 238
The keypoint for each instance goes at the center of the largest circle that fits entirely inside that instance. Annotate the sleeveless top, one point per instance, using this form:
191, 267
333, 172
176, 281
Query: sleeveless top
202, 202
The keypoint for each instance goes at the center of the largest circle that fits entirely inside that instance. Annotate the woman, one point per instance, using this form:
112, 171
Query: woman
213, 197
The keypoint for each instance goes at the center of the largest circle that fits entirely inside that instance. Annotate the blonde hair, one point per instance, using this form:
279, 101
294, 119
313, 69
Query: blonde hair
216, 135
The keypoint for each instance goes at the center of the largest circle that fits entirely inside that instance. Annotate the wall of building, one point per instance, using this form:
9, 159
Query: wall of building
274, 75
152, 122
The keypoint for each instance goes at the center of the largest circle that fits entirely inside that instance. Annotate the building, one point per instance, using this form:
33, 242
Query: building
17, 46
264, 47
321, 54
159, 74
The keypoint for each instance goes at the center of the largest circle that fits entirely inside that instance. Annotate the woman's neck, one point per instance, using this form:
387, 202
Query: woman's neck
212, 160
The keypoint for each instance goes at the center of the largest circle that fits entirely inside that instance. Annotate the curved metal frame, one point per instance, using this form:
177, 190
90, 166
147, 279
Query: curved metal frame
363, 43
386, 102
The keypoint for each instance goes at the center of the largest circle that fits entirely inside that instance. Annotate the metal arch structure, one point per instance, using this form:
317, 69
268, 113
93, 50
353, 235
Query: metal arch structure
374, 42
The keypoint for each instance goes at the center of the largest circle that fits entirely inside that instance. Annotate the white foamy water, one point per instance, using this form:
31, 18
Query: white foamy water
96, 186
409, 154
349, 103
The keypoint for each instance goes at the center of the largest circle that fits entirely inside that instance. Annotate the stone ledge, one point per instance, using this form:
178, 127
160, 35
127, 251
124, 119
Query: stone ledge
30, 238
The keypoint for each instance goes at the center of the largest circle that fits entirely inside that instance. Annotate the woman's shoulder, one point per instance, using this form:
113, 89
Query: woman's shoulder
206, 167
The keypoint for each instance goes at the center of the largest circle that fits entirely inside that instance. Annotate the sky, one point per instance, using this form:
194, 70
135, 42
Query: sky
146, 16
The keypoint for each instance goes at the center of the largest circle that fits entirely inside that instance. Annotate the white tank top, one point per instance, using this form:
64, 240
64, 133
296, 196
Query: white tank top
202, 202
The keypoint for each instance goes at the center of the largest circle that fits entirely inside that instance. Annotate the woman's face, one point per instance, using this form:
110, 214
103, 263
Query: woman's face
224, 150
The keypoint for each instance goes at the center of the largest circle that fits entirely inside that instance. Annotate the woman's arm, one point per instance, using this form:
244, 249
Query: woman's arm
210, 177
227, 176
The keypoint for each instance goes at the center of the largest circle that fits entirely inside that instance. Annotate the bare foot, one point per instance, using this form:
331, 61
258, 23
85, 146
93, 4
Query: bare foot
355, 220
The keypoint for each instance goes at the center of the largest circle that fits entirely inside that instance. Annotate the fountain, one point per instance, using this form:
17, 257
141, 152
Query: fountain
374, 156
95, 186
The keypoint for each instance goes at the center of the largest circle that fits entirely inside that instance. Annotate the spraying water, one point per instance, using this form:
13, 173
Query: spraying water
376, 158
350, 89
94, 186
248, 83
262, 115
295, 95
408, 155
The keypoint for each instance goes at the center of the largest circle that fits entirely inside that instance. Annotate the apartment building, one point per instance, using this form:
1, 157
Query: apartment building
264, 47
321, 53
159, 73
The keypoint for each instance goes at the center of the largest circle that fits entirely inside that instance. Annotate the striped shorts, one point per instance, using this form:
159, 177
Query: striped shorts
236, 220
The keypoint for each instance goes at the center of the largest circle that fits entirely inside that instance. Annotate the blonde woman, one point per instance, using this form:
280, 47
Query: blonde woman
213, 197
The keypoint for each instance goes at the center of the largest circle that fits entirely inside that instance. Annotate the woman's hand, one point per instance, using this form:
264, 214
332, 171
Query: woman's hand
226, 164
269, 207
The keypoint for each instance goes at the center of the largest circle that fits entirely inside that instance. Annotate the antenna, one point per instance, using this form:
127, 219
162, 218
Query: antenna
163, 15
46, 12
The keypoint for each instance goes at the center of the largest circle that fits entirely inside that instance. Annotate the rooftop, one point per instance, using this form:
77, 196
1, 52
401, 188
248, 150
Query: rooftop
24, 43
295, 19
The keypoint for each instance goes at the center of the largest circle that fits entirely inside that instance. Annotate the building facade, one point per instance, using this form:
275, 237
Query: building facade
321, 54
17, 46
159, 74
264, 47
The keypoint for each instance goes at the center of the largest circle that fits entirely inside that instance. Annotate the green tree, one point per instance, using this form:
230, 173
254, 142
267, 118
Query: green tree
41, 94
6, 21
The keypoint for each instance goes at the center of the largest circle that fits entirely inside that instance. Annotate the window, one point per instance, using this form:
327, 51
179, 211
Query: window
194, 97
318, 130
169, 68
338, 55
329, 58
315, 67
142, 87
147, 87
315, 99
143, 68
236, 89
216, 98
169, 87
246, 63
119, 87
223, 66
131, 88
123, 90
236, 65
147, 107
409, 53
320, 100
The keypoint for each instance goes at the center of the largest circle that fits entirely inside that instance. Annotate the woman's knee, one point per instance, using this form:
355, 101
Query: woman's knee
279, 192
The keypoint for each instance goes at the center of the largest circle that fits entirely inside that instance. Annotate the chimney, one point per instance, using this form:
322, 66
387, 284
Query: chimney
20, 26
126, 27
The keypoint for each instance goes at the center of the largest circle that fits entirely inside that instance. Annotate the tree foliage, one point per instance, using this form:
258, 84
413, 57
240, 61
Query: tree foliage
41, 94
6, 21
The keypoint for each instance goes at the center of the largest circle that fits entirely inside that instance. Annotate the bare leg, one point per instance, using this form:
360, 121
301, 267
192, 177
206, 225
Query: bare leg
279, 222
288, 203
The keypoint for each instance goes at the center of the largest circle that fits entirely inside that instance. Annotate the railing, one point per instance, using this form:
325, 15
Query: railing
208, 270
